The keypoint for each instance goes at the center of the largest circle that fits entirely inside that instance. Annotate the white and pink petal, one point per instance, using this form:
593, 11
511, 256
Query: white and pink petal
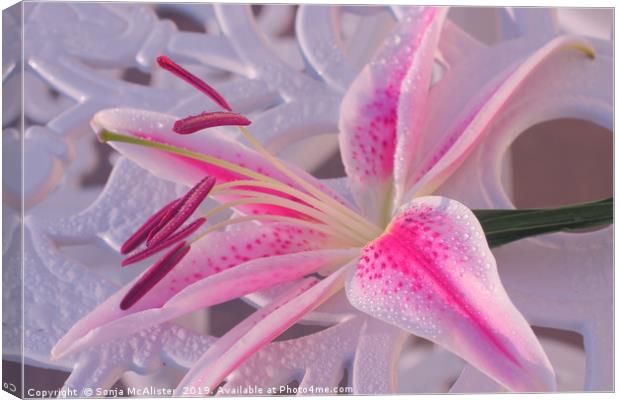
260, 329
108, 322
216, 252
473, 94
433, 274
368, 112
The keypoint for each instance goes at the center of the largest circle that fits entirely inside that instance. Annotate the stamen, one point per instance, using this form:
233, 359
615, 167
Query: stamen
193, 80
163, 221
143, 231
154, 274
189, 204
149, 251
205, 120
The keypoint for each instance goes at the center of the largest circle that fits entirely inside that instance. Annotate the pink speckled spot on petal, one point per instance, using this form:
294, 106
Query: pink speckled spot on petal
433, 274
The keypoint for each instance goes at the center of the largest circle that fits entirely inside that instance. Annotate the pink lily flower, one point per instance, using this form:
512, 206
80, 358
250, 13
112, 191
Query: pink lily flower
416, 261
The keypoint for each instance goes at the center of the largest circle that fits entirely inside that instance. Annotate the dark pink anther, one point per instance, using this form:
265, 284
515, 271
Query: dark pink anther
195, 123
193, 80
154, 274
143, 231
165, 218
180, 235
189, 204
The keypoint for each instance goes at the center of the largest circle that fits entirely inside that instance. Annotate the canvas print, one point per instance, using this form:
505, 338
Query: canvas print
256, 200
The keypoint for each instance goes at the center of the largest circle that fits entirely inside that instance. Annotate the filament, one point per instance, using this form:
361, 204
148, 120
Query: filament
289, 204
333, 218
355, 219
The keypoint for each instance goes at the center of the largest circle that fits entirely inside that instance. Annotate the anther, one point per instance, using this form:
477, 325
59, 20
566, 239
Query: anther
205, 120
189, 204
154, 274
149, 251
143, 231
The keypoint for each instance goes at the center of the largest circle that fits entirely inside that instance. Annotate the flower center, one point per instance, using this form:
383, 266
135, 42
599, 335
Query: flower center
318, 210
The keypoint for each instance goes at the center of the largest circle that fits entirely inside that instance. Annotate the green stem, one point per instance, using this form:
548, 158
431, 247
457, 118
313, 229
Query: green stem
505, 226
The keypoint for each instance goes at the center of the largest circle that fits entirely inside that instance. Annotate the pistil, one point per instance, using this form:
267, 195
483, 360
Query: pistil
193, 80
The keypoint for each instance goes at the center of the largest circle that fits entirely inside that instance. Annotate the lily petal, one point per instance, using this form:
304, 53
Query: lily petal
248, 277
475, 98
564, 86
455, 44
216, 252
260, 329
368, 113
176, 168
433, 274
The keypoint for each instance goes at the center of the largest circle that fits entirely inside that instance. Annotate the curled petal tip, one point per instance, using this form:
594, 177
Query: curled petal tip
585, 48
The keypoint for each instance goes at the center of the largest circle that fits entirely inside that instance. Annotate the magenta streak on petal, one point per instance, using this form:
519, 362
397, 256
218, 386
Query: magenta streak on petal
205, 120
451, 293
143, 231
169, 65
189, 204
154, 274
180, 235
422, 249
